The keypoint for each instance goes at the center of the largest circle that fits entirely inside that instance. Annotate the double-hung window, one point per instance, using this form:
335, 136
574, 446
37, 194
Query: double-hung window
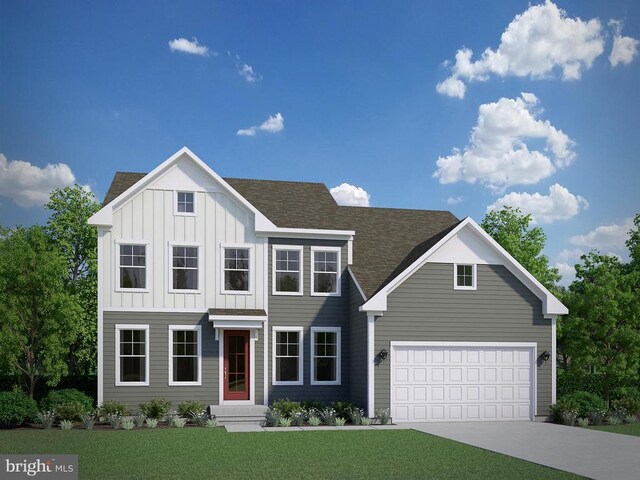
464, 276
132, 355
287, 366
325, 355
237, 269
132, 266
325, 271
185, 354
184, 267
287, 270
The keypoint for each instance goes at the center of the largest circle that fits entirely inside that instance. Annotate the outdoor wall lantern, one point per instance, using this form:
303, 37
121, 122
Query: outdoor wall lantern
545, 355
383, 354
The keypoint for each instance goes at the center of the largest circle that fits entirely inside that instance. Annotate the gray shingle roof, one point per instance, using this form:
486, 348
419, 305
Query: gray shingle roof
386, 242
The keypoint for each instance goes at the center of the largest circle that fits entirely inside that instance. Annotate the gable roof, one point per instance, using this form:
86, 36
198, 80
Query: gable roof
386, 240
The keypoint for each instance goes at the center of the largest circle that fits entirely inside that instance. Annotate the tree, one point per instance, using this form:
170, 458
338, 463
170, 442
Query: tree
633, 244
67, 226
510, 228
602, 329
38, 314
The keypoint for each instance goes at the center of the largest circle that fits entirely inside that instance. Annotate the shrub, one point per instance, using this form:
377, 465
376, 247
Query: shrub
625, 392
46, 419
285, 407
327, 415
597, 416
574, 380
201, 418
343, 408
583, 422
69, 395
179, 422
66, 424
630, 405
112, 407
314, 421
383, 416
630, 419
88, 421
139, 419
272, 417
190, 408
152, 422
583, 403
365, 421
284, 422
72, 411
128, 424
156, 408
311, 405
212, 422
613, 420
356, 415
339, 421
115, 420
298, 417
16, 408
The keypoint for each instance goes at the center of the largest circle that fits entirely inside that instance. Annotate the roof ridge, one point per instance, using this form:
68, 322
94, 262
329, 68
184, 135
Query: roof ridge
394, 209
278, 181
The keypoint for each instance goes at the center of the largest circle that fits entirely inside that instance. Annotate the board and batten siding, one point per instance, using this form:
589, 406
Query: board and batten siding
149, 217
307, 311
427, 308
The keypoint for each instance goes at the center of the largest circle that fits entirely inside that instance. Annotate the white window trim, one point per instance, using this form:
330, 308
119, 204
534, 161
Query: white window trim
172, 244
474, 276
297, 248
274, 332
251, 268
148, 263
338, 332
337, 293
175, 204
173, 328
145, 328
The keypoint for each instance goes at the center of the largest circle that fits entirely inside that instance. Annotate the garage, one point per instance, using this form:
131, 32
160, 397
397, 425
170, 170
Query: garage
443, 382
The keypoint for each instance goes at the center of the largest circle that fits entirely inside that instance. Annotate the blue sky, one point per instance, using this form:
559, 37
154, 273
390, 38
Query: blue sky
89, 88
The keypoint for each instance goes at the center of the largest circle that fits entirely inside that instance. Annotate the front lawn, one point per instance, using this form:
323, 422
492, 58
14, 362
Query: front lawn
626, 429
213, 453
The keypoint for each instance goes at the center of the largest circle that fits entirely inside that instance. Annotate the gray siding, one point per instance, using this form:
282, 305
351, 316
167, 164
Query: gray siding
357, 347
427, 308
159, 360
307, 311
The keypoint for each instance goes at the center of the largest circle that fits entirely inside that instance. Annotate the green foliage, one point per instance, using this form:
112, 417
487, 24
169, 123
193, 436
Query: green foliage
190, 408
39, 316
69, 395
314, 421
285, 407
384, 416
46, 419
365, 421
583, 422
630, 405
139, 419
115, 420
110, 407
340, 422
633, 244
602, 329
67, 226
613, 420
179, 422
284, 422
156, 408
66, 424
211, 422
578, 380
72, 411
152, 422
128, 424
510, 228
88, 421
343, 408
311, 405
16, 408
578, 404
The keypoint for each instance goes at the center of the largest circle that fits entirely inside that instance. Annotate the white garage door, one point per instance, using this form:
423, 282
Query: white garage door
437, 382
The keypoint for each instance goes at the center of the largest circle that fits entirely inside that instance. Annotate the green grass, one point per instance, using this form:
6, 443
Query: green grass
213, 453
626, 429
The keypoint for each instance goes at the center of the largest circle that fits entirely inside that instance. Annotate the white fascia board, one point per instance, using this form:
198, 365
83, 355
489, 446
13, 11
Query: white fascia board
104, 216
278, 232
550, 304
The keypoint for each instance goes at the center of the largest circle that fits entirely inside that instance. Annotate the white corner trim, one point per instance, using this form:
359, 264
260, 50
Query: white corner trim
550, 304
221, 263
338, 332
554, 359
355, 280
300, 250
350, 252
370, 365
175, 204
100, 284
338, 250
171, 329
474, 276
201, 262
148, 259
132, 326
275, 330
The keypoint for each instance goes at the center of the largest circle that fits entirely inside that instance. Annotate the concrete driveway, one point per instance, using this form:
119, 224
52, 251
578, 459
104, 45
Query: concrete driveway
590, 453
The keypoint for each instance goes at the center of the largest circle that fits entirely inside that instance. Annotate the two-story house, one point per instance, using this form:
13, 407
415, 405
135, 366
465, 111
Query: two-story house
239, 292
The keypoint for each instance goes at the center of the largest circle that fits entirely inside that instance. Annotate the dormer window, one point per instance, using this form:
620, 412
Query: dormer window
185, 203
464, 276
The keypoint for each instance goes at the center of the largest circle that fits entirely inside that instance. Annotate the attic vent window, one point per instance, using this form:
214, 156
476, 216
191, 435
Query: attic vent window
464, 276
185, 203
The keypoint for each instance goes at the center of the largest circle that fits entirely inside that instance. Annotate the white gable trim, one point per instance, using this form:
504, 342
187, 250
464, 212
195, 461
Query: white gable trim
550, 304
104, 217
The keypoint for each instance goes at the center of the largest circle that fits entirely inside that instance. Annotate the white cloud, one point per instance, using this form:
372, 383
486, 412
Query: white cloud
455, 200
606, 237
560, 204
246, 71
624, 49
350, 195
189, 46
273, 124
29, 185
536, 43
498, 156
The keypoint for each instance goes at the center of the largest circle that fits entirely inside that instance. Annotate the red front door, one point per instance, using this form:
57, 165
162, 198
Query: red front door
236, 365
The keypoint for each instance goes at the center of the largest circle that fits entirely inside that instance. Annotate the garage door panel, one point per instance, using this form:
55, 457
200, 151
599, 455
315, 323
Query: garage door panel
450, 383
